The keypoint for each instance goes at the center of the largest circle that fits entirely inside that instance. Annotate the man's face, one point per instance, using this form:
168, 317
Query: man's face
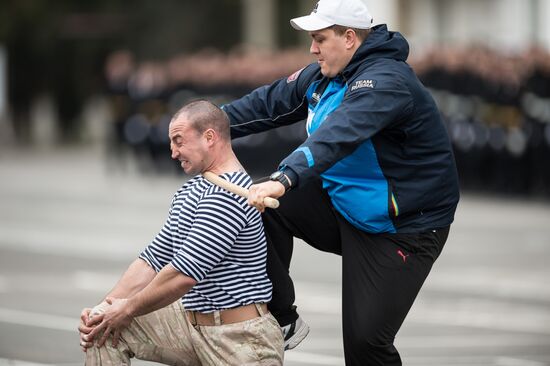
188, 146
330, 50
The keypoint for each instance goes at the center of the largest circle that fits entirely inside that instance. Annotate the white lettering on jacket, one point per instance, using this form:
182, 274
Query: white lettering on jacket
359, 84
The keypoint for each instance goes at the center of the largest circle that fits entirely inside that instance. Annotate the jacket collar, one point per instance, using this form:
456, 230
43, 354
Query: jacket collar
380, 43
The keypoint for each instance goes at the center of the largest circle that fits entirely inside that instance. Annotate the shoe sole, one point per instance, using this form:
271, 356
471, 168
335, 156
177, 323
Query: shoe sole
297, 337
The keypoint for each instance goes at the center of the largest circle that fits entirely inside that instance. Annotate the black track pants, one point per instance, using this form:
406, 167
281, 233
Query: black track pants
381, 273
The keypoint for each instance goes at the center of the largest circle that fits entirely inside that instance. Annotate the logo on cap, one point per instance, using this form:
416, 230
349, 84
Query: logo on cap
315, 8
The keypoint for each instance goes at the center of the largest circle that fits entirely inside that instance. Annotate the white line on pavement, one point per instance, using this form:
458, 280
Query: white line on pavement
509, 361
39, 320
8, 362
470, 341
95, 281
528, 285
535, 323
407, 342
472, 361
313, 358
493, 314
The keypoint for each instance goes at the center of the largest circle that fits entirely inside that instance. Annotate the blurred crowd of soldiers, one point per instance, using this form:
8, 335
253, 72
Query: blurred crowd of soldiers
145, 95
497, 110
496, 106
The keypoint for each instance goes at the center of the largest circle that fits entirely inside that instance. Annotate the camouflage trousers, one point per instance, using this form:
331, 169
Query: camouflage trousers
167, 336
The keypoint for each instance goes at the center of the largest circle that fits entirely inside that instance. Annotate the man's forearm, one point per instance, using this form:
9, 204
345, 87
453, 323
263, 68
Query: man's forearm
138, 275
168, 286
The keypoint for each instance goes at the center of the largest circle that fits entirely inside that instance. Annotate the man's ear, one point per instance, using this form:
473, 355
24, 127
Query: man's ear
351, 38
210, 135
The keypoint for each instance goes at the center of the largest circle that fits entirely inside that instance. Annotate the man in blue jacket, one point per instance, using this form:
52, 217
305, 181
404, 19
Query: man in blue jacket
375, 181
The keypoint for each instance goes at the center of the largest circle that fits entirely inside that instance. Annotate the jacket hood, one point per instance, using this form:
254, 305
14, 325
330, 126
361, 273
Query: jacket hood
380, 43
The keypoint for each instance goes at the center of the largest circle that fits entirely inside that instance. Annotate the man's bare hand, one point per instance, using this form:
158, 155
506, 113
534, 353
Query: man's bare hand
258, 192
113, 321
84, 330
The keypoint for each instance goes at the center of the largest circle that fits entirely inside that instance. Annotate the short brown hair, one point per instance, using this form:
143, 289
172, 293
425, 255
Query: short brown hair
362, 34
203, 115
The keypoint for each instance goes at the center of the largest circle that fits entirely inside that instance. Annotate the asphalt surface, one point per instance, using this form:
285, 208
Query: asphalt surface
69, 226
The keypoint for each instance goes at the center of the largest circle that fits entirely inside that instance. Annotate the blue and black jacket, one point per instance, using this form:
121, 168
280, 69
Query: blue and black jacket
375, 136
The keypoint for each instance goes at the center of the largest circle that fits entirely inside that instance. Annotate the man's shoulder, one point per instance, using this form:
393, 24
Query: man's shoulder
227, 204
238, 178
379, 74
191, 185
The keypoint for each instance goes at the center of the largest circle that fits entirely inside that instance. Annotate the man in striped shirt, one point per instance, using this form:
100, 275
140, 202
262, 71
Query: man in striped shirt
210, 253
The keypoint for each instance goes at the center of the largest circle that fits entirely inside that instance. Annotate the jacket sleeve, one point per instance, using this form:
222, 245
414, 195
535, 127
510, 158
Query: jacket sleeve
361, 115
282, 103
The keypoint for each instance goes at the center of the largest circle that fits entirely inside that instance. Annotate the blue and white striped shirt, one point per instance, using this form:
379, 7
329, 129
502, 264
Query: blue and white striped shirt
216, 238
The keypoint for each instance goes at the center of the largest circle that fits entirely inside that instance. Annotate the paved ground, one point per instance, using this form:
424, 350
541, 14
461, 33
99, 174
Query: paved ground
69, 227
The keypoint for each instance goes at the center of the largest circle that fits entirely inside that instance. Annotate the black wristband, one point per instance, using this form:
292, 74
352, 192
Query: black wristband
282, 178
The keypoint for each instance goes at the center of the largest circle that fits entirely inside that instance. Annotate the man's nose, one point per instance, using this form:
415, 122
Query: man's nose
174, 153
313, 49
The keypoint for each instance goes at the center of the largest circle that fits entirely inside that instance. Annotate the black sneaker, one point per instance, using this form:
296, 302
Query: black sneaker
294, 333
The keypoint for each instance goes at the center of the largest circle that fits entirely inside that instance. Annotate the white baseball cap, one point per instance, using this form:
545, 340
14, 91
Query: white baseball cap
349, 13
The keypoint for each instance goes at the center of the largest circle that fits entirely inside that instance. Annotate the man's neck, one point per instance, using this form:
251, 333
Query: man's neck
225, 162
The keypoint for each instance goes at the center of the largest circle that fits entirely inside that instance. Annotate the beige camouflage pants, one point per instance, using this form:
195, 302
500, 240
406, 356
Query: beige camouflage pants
167, 336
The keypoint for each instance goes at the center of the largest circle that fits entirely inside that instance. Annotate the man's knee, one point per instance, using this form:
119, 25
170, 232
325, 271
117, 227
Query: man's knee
107, 355
361, 351
370, 343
